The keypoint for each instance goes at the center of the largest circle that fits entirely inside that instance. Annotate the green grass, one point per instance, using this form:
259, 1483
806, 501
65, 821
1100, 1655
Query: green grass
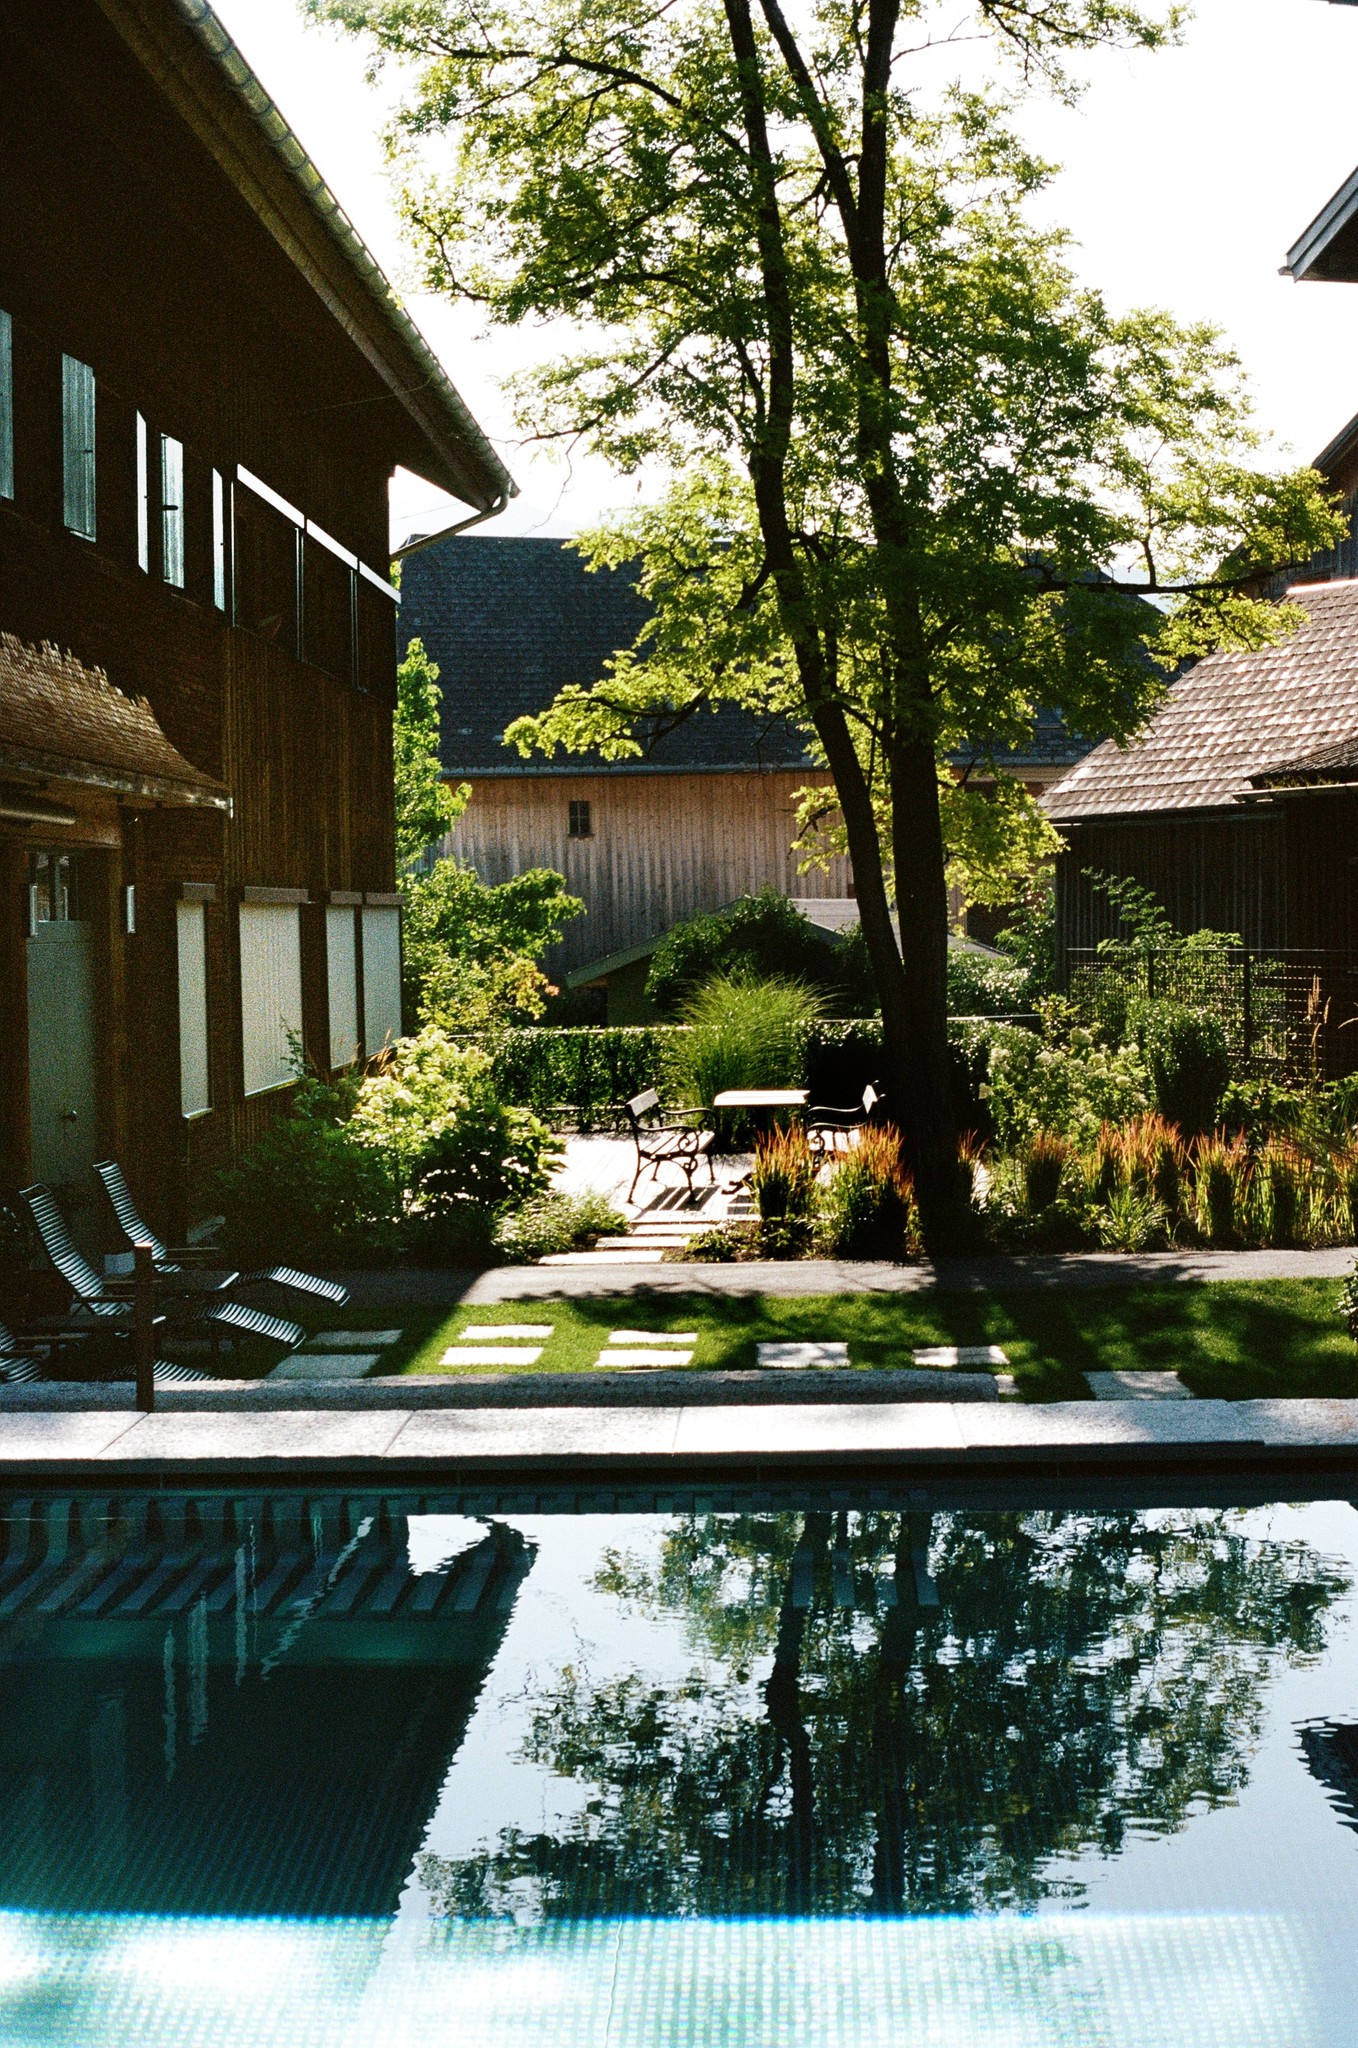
1227, 1339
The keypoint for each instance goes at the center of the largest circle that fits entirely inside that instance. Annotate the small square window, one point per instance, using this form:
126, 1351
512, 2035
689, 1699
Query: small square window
578, 824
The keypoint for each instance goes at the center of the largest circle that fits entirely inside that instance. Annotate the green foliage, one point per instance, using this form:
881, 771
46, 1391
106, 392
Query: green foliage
1132, 1221
1043, 1160
1186, 1052
580, 1073
308, 1191
1066, 1079
471, 948
759, 937
741, 1034
1222, 1189
783, 1185
426, 807
556, 1222
1029, 939
982, 984
1348, 1302
869, 1205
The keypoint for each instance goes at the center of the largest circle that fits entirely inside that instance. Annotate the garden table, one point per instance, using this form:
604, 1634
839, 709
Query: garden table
758, 1098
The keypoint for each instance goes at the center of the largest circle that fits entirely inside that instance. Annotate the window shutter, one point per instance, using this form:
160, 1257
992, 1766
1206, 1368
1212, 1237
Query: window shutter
218, 541
270, 993
172, 511
381, 977
194, 1096
77, 446
6, 406
143, 499
341, 966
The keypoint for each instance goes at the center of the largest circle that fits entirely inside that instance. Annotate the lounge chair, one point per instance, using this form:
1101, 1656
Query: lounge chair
825, 1127
662, 1136
187, 1259
26, 1354
21, 1358
97, 1298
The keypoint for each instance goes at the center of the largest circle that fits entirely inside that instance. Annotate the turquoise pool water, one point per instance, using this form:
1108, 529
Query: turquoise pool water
628, 1772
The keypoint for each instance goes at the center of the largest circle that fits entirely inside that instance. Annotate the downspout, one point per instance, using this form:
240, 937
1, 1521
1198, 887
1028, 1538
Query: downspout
428, 540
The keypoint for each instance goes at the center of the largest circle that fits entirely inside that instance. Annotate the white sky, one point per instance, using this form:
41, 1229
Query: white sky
1187, 176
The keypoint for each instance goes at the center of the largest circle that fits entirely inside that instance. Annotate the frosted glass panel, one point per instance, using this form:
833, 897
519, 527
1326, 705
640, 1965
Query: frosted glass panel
270, 992
341, 963
381, 978
194, 1095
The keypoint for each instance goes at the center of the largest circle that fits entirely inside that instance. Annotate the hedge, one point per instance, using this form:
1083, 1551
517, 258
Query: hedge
581, 1073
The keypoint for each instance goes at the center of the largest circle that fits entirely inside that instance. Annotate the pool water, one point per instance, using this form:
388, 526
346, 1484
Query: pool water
639, 1772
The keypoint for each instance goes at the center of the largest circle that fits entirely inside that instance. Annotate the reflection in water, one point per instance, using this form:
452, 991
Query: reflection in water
903, 1714
314, 1771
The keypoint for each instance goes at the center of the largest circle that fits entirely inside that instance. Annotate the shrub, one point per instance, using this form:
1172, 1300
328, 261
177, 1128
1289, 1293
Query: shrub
783, 1182
583, 1070
309, 1191
759, 938
869, 1203
1344, 1168
742, 1034
1348, 1302
1132, 1221
556, 1222
1155, 1162
1221, 1188
1185, 1050
986, 984
1279, 1186
1064, 1079
1043, 1159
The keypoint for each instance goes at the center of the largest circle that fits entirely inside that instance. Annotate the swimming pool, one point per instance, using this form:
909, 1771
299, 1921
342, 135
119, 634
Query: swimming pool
647, 1772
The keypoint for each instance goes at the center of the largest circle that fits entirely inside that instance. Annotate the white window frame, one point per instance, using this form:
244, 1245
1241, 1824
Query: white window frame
219, 540
341, 970
270, 994
78, 476
172, 511
381, 976
143, 498
195, 1088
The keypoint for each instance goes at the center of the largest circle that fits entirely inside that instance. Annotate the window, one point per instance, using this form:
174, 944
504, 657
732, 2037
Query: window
143, 499
341, 967
172, 511
218, 540
194, 1097
53, 889
270, 992
381, 978
77, 447
6, 406
578, 824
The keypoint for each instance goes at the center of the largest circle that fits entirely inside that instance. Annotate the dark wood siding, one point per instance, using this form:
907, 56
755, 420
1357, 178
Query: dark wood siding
1223, 873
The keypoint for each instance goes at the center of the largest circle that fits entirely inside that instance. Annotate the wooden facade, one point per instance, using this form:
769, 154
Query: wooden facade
660, 848
153, 233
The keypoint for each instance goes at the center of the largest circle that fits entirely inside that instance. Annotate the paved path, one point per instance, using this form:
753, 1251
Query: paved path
846, 1276
389, 1446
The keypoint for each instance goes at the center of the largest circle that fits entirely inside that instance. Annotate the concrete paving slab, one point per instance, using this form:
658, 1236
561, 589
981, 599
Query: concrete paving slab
60, 1435
1333, 1422
506, 1333
1137, 1386
275, 1438
353, 1340
539, 1433
327, 1365
1075, 1425
948, 1356
819, 1430
492, 1354
653, 1336
597, 1260
800, 1357
640, 1358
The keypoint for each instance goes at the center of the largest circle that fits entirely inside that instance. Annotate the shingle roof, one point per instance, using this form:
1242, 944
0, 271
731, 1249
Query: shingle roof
62, 721
510, 621
1230, 720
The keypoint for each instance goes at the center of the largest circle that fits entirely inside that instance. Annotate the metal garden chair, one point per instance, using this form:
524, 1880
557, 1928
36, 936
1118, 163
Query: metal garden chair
187, 1259
97, 1298
662, 1138
825, 1127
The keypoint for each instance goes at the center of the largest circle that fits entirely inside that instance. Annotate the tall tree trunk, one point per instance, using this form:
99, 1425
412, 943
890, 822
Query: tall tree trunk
922, 908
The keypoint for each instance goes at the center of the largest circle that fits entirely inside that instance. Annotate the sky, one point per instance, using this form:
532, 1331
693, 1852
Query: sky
1186, 176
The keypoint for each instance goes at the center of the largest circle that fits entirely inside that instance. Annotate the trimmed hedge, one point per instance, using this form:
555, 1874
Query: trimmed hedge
581, 1073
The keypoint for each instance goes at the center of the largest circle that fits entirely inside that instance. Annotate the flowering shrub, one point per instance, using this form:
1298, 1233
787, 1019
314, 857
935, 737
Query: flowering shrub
1065, 1079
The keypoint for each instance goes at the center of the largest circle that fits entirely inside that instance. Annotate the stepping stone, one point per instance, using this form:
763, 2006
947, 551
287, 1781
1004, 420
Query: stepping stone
505, 1333
652, 1337
801, 1357
352, 1340
1137, 1386
1006, 1386
974, 1357
492, 1354
327, 1365
634, 1359
629, 1258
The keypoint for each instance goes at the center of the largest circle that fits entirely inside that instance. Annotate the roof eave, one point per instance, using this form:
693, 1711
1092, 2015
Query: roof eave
1313, 255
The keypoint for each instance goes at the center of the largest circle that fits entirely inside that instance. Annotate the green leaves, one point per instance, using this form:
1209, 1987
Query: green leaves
426, 807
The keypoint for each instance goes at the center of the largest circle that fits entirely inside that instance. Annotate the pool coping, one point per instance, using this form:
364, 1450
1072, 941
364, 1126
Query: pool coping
393, 1445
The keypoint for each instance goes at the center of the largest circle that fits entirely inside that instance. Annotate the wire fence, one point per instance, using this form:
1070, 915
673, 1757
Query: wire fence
1285, 1013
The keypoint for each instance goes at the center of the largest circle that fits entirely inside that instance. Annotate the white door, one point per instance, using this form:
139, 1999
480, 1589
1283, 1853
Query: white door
62, 1091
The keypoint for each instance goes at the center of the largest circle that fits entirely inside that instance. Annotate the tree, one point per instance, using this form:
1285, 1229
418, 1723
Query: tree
1075, 1677
912, 458
471, 948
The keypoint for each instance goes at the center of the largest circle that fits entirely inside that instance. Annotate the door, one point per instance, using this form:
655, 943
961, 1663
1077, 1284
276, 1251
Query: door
62, 1095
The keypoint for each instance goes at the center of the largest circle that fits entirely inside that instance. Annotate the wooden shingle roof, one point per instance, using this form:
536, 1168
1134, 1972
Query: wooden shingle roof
61, 721
1232, 722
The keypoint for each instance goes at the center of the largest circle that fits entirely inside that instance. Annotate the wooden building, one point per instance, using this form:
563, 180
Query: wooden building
706, 815
205, 383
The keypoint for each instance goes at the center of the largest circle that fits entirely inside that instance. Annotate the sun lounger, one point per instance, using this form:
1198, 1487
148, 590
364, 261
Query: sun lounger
185, 1259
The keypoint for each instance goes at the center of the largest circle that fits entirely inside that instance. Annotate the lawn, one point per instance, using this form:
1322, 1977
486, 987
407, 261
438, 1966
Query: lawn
1233, 1340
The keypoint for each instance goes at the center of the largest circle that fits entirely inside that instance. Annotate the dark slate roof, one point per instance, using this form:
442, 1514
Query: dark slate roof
1231, 720
510, 621
1052, 745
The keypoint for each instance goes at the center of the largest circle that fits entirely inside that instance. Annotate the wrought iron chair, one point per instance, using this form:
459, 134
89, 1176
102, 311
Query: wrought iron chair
96, 1296
189, 1259
662, 1137
825, 1127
